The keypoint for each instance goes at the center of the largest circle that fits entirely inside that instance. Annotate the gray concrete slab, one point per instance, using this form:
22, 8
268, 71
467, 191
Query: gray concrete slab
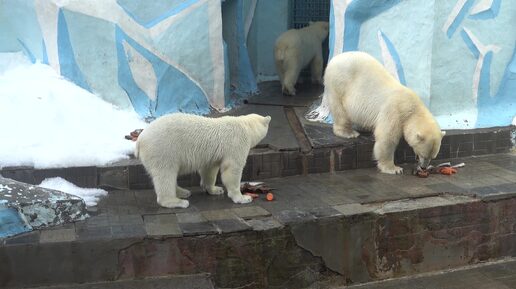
270, 94
280, 135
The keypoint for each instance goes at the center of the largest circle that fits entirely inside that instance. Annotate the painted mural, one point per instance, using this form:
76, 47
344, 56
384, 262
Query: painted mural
159, 58
199, 56
459, 56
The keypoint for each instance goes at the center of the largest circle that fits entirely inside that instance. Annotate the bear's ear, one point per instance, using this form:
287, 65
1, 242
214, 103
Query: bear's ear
420, 137
443, 133
267, 119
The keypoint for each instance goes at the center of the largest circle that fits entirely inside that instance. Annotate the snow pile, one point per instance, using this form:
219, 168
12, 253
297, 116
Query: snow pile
48, 121
90, 196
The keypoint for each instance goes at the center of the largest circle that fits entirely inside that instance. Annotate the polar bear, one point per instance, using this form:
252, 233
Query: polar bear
361, 91
295, 49
178, 144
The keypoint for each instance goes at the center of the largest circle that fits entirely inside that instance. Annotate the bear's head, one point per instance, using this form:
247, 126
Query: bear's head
321, 28
425, 139
257, 127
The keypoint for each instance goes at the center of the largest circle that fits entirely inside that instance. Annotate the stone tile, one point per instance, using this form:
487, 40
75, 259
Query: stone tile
354, 209
194, 217
293, 216
24, 238
20, 174
447, 188
125, 219
231, 225
201, 228
263, 224
85, 177
57, 236
138, 178
215, 215
114, 177
250, 212
84, 232
128, 231
162, 225
324, 212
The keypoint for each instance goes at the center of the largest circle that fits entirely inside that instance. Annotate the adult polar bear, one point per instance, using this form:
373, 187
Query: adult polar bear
295, 49
179, 144
361, 91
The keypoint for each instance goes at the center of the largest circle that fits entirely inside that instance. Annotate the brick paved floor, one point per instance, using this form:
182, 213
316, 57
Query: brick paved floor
134, 213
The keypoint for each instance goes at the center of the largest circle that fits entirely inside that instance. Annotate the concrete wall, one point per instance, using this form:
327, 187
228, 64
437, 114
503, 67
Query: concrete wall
270, 20
459, 56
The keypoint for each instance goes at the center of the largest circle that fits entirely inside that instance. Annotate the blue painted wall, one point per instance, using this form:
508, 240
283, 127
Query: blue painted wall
269, 22
457, 55
155, 59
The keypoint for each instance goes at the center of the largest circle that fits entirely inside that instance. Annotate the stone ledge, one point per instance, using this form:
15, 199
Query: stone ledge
385, 240
264, 163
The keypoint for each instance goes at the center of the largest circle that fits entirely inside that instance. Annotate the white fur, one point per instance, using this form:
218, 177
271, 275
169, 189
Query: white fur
295, 49
362, 92
178, 144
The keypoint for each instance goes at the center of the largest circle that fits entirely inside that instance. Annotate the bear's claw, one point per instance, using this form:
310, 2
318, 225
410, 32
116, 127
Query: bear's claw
242, 199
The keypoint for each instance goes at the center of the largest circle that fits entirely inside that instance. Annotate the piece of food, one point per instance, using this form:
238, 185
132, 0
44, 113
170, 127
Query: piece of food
447, 170
270, 197
423, 173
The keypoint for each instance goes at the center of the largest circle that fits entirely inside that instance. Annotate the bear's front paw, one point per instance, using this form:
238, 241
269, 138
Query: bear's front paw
183, 193
242, 199
392, 169
174, 203
289, 91
215, 190
346, 133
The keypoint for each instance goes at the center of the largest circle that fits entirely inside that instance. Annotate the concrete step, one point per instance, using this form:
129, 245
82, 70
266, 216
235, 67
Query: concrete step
200, 281
491, 275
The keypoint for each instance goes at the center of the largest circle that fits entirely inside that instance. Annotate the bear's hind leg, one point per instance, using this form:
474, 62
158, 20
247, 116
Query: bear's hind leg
165, 186
231, 174
281, 74
316, 68
292, 69
208, 179
342, 126
386, 141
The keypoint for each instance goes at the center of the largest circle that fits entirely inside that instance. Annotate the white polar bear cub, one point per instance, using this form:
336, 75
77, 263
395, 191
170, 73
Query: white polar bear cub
178, 144
361, 91
295, 49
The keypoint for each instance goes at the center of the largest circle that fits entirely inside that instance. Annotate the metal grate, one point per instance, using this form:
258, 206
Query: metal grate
304, 11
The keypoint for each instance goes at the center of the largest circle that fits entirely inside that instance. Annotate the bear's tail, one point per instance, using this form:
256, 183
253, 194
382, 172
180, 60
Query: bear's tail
280, 53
